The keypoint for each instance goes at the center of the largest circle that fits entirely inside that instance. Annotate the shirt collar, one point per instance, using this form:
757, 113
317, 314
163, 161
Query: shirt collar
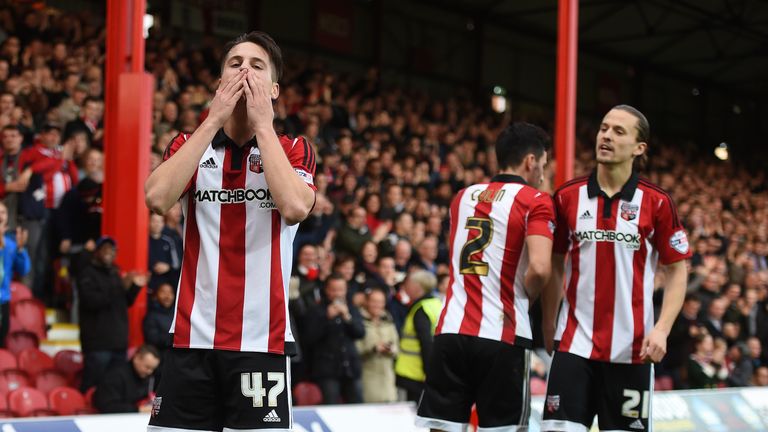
626, 193
507, 178
221, 140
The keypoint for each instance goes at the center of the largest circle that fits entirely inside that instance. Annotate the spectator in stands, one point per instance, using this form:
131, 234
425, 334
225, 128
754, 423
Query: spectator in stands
378, 350
756, 354
427, 255
164, 255
714, 320
14, 181
402, 254
128, 385
89, 121
760, 377
157, 321
686, 328
14, 260
706, 369
353, 233
417, 333
333, 326
104, 301
54, 173
79, 220
740, 369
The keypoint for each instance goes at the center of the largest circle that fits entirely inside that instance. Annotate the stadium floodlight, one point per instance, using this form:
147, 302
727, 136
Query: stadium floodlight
721, 151
499, 99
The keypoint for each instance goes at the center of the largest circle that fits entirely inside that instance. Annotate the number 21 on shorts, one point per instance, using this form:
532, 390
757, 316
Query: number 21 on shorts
629, 408
252, 387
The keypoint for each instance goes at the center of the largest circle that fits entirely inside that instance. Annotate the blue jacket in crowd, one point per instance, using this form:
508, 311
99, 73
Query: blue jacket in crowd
14, 261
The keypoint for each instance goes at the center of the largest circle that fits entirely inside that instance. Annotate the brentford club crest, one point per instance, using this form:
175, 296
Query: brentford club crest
553, 403
254, 163
629, 211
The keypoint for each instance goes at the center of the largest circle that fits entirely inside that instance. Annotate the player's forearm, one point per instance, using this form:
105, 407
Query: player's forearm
674, 295
290, 193
167, 182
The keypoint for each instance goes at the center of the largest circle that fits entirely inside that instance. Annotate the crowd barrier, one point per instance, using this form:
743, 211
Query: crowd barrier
743, 409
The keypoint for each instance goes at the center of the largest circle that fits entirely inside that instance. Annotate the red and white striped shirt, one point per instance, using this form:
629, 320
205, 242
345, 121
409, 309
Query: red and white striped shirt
238, 250
488, 259
613, 246
58, 175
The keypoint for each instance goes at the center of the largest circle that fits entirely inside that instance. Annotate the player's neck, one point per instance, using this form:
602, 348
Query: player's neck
236, 127
612, 177
512, 171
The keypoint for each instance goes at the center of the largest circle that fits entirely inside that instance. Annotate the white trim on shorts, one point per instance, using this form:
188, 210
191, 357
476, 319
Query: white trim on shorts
445, 425
152, 428
563, 426
503, 429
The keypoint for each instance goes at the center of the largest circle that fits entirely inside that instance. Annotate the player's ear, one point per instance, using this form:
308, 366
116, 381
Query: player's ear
641, 148
530, 162
274, 91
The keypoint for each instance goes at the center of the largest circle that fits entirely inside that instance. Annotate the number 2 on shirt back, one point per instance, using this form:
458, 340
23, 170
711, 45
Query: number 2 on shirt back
468, 264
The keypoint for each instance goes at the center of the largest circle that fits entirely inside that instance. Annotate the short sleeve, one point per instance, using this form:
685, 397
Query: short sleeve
172, 148
302, 159
669, 238
541, 216
562, 231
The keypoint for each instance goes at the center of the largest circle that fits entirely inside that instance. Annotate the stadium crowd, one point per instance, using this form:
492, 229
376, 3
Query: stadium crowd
389, 160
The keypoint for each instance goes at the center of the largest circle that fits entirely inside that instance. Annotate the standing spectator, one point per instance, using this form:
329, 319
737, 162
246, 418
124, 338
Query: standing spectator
79, 220
164, 257
14, 260
705, 368
13, 181
128, 386
378, 350
756, 355
157, 321
104, 301
417, 333
54, 174
332, 329
739, 367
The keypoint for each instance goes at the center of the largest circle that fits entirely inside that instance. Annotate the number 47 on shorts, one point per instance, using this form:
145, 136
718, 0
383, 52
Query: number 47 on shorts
251, 385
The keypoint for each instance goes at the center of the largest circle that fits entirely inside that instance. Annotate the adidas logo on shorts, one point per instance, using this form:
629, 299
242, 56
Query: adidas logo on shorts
637, 424
272, 417
210, 163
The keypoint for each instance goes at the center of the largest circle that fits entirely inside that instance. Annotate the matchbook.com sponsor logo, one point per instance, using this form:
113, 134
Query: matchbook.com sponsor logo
629, 241
236, 196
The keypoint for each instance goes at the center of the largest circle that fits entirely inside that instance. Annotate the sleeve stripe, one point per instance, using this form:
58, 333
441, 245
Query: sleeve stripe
312, 156
675, 218
306, 154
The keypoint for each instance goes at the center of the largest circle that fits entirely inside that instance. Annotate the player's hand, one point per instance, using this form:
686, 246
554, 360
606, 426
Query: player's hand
258, 101
654, 346
548, 332
226, 98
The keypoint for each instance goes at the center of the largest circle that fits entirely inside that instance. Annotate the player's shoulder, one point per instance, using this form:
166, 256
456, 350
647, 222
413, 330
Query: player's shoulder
293, 143
571, 185
655, 190
175, 144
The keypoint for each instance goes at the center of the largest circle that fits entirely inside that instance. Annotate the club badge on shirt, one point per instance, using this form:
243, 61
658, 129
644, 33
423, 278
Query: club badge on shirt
254, 163
629, 211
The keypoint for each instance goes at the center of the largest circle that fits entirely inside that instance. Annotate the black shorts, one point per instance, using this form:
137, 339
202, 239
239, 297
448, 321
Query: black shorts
579, 388
211, 390
466, 370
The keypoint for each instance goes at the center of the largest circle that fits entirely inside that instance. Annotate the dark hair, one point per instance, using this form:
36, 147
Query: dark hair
147, 349
517, 141
91, 99
643, 131
12, 127
266, 42
333, 277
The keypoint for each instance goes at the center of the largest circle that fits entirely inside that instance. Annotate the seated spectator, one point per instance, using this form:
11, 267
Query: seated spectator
706, 368
740, 369
714, 319
378, 350
353, 233
128, 386
426, 255
157, 321
756, 354
14, 260
333, 326
104, 301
